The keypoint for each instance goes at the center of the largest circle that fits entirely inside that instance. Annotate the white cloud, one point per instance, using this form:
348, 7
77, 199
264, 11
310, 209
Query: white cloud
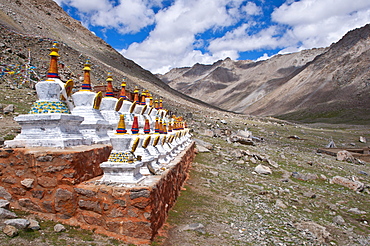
252, 9
239, 40
173, 40
128, 16
264, 57
319, 23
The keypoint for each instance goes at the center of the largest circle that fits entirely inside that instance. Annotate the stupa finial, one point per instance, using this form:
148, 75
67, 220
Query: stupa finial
123, 89
121, 128
136, 95
86, 84
143, 96
109, 91
53, 68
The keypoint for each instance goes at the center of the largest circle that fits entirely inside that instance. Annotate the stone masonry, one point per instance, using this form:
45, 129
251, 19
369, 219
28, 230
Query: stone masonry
54, 184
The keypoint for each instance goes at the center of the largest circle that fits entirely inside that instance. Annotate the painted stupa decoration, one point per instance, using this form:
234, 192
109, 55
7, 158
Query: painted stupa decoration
109, 104
87, 104
49, 122
52, 93
122, 165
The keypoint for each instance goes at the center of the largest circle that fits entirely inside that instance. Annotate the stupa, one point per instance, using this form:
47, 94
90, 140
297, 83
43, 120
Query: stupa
122, 165
87, 104
109, 103
49, 123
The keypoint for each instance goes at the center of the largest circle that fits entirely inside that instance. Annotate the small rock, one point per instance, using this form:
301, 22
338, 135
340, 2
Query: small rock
363, 172
353, 185
194, 227
8, 109
244, 134
356, 211
205, 144
338, 220
208, 133
59, 228
10, 231
320, 232
18, 223
280, 204
362, 139
2, 140
6, 214
27, 183
223, 122
261, 169
202, 149
309, 194
34, 225
344, 155
4, 204
304, 177
272, 163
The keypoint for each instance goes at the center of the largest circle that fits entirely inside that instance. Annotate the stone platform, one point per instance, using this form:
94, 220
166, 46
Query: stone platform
62, 185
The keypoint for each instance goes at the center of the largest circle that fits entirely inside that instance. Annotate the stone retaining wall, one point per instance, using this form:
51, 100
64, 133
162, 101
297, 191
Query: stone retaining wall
61, 185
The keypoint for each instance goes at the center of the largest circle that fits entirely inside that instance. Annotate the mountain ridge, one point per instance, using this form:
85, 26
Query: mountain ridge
315, 80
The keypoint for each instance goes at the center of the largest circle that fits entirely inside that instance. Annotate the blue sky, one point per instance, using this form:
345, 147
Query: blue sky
164, 34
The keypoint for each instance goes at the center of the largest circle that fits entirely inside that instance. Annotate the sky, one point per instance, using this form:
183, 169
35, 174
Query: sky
163, 34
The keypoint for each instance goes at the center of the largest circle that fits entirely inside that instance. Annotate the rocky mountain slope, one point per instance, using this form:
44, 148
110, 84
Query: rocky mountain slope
34, 24
311, 84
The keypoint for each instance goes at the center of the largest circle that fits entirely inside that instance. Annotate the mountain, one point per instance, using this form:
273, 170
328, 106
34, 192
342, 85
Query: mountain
28, 28
326, 84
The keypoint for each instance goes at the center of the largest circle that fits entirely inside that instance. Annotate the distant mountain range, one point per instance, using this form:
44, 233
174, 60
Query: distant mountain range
327, 84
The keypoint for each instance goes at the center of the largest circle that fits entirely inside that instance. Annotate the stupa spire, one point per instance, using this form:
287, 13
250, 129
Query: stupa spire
121, 128
143, 96
86, 84
135, 126
147, 126
53, 68
123, 89
136, 96
160, 103
109, 91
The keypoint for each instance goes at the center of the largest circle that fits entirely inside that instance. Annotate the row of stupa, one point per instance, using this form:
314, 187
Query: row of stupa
143, 136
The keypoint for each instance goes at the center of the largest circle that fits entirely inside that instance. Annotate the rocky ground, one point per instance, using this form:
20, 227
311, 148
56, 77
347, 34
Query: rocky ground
255, 181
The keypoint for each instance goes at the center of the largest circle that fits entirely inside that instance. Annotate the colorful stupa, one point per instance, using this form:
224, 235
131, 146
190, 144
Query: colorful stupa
51, 91
87, 105
49, 123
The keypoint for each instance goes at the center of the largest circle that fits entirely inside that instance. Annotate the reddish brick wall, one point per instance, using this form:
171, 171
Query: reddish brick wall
64, 189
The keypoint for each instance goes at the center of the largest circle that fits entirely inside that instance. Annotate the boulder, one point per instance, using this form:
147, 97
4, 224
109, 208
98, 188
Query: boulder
6, 214
194, 227
4, 204
319, 232
362, 139
8, 109
34, 225
10, 231
261, 169
59, 228
351, 184
27, 183
18, 223
338, 220
344, 155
